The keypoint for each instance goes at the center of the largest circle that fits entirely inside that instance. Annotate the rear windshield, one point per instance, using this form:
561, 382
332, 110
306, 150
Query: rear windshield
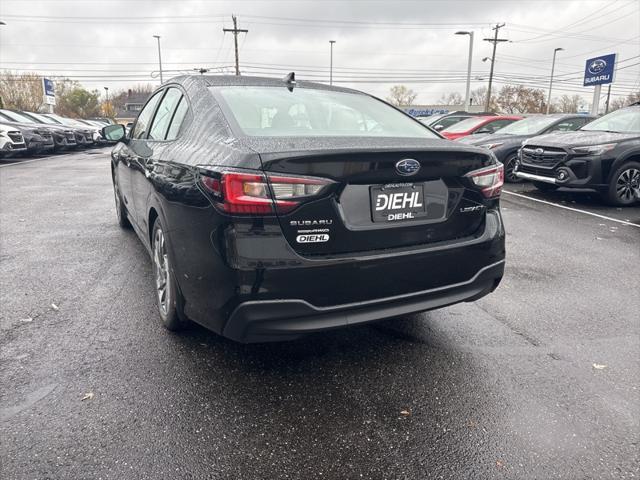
276, 112
465, 125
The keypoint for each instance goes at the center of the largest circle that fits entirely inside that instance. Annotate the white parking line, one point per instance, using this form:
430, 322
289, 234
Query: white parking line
604, 217
48, 157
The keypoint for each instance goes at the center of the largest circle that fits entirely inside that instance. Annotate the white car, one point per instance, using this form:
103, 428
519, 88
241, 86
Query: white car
11, 140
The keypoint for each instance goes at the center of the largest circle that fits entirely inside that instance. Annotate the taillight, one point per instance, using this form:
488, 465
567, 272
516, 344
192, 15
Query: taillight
488, 179
260, 194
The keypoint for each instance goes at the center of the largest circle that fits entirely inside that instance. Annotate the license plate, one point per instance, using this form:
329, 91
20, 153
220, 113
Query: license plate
397, 202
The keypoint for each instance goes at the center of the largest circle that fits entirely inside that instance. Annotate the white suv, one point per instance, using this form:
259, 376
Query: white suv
11, 140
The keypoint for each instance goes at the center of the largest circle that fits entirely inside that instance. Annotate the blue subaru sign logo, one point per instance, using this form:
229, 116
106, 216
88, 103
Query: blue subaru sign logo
599, 70
407, 167
597, 66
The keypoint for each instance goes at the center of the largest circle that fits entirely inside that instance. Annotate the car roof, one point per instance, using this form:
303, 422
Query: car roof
490, 118
563, 115
249, 81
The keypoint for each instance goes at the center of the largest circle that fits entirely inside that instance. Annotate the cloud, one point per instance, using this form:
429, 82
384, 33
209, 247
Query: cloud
379, 43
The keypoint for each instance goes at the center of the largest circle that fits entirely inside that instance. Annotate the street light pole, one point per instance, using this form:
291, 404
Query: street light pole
331, 42
106, 103
157, 37
467, 97
553, 67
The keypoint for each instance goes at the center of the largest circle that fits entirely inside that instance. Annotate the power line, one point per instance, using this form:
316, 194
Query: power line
591, 15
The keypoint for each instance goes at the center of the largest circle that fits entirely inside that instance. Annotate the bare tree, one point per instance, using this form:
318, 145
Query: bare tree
108, 110
22, 91
479, 97
569, 103
621, 102
400, 96
453, 98
521, 99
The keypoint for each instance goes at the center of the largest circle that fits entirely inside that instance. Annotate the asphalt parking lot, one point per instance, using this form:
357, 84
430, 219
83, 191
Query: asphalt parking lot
538, 380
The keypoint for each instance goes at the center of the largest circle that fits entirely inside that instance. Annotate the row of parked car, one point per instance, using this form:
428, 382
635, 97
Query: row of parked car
559, 150
33, 133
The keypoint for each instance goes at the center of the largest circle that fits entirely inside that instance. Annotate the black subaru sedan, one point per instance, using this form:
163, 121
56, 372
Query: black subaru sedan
274, 208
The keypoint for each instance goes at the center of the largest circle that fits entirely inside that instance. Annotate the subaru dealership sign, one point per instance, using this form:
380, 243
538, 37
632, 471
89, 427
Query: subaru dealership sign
599, 70
49, 90
425, 112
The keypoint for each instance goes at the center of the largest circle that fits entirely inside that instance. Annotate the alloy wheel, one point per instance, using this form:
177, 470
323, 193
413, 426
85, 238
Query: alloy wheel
628, 185
509, 172
161, 268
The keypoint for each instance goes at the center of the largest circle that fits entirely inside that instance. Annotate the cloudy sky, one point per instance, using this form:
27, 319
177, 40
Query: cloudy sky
378, 43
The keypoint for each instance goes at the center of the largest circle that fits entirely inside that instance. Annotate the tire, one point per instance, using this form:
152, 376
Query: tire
624, 185
121, 210
545, 187
509, 175
168, 297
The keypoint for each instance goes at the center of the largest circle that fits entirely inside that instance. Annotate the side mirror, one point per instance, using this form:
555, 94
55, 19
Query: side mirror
438, 127
482, 130
114, 133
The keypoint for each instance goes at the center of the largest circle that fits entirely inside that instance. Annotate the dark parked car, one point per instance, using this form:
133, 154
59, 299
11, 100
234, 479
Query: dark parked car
63, 138
604, 156
506, 142
96, 127
273, 209
85, 135
104, 120
478, 125
38, 138
71, 134
445, 120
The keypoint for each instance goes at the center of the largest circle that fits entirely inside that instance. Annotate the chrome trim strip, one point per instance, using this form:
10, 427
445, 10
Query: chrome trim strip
536, 178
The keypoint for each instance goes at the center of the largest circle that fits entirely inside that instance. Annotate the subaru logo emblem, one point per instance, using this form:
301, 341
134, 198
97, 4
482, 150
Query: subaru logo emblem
597, 66
538, 151
407, 167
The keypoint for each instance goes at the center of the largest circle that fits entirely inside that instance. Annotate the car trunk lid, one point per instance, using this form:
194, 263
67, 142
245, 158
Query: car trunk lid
372, 203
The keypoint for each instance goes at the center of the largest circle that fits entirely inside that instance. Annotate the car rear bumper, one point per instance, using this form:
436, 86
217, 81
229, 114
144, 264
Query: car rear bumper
252, 286
275, 320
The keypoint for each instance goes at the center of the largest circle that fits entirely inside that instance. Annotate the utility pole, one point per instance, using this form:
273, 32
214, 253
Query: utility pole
331, 42
553, 67
495, 40
606, 108
235, 30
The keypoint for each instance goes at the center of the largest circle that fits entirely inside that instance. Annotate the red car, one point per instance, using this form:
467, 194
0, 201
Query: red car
483, 124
